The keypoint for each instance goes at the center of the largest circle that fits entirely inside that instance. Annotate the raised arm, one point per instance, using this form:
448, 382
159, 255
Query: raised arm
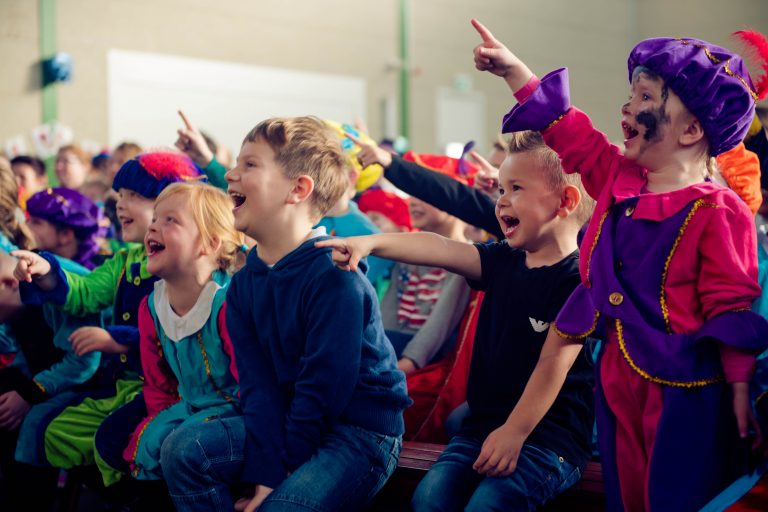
463, 202
191, 141
545, 106
416, 248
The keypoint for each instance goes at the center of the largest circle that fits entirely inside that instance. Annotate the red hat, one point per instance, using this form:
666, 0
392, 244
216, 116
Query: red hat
457, 168
394, 207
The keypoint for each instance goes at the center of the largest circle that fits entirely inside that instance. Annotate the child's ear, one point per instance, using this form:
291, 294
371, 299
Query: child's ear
569, 201
214, 246
693, 132
302, 189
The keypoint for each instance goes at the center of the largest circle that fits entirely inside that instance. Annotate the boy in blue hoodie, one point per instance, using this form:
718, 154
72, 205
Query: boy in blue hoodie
321, 392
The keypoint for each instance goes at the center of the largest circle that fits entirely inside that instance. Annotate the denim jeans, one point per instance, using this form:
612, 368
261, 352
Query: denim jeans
200, 462
452, 484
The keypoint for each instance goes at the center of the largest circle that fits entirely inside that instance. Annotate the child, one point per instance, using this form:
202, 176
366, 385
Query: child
387, 210
30, 173
669, 266
68, 224
321, 393
189, 370
36, 384
121, 282
72, 166
512, 452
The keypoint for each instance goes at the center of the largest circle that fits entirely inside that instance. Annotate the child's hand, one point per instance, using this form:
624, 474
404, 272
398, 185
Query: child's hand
487, 177
745, 416
90, 339
347, 252
13, 410
30, 265
492, 56
252, 504
406, 365
192, 142
498, 456
371, 153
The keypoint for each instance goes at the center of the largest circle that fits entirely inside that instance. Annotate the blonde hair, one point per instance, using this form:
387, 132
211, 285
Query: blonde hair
212, 213
11, 224
307, 146
551, 167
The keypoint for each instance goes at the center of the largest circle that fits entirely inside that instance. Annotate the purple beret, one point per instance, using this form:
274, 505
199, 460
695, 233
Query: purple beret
711, 81
65, 207
69, 208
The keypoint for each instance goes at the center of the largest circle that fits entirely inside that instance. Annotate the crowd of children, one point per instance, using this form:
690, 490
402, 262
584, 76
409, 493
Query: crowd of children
217, 351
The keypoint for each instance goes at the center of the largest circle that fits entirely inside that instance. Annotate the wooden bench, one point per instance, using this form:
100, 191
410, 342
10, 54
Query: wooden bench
417, 458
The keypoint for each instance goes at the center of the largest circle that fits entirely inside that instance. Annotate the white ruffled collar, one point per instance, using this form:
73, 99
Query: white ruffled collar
177, 327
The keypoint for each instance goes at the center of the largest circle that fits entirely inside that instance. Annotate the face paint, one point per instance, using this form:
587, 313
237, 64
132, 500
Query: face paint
651, 119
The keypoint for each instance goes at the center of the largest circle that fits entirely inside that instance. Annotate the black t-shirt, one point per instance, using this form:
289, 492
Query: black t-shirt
519, 305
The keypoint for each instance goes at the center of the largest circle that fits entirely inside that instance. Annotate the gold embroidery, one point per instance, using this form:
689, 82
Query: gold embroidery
42, 388
663, 296
594, 244
208, 369
138, 440
657, 380
726, 68
577, 336
553, 123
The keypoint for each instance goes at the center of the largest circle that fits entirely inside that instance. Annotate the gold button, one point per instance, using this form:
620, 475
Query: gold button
137, 280
615, 298
123, 358
629, 211
126, 316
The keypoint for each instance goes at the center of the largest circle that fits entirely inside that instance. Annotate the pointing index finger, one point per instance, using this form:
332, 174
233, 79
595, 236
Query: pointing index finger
485, 34
186, 120
355, 139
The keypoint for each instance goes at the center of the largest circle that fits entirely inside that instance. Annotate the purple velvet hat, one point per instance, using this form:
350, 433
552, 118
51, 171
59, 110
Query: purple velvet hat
711, 81
69, 208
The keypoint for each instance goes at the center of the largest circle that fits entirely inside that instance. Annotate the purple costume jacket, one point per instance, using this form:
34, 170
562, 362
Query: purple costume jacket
671, 276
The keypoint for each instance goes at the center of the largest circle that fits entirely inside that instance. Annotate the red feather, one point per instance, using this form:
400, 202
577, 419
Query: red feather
758, 44
163, 165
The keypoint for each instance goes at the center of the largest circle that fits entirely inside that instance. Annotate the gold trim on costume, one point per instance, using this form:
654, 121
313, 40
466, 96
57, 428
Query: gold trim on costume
208, 369
663, 296
726, 68
580, 335
553, 123
42, 388
658, 380
594, 244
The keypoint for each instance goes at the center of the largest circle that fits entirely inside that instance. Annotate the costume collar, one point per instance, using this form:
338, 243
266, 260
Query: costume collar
657, 206
177, 327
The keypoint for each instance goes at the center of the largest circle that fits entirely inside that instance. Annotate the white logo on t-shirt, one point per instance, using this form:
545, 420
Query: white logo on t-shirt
538, 325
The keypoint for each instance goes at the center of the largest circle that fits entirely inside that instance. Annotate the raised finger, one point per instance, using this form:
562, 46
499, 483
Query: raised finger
356, 140
186, 120
485, 34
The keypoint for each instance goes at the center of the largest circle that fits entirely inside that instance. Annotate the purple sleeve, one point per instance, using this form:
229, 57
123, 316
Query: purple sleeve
543, 106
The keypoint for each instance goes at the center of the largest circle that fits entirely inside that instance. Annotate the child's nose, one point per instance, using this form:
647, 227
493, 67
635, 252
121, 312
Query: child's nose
625, 108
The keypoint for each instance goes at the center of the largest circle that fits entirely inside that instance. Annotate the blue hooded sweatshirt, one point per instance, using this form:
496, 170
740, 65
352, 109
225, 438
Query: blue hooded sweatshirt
311, 353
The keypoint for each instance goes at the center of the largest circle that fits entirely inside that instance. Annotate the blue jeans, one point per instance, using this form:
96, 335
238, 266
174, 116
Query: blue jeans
452, 484
201, 461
